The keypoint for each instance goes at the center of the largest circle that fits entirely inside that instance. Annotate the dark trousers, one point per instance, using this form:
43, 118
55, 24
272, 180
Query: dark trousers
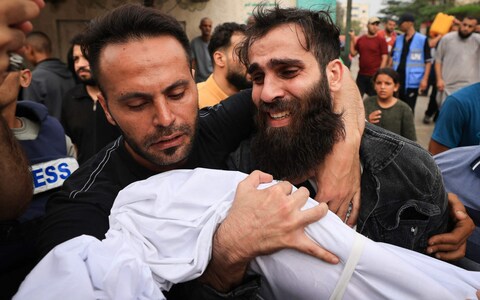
409, 96
365, 85
432, 108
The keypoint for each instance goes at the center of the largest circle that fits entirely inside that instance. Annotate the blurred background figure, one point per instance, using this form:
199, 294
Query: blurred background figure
82, 116
411, 58
229, 74
388, 33
457, 59
387, 111
373, 53
458, 122
201, 61
51, 78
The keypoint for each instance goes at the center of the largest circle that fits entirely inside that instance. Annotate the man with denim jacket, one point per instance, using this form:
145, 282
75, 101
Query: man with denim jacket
294, 71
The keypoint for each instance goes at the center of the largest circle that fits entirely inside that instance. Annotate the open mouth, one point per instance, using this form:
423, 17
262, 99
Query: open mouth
280, 115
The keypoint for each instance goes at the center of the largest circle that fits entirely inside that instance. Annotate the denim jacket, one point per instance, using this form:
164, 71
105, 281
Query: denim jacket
403, 201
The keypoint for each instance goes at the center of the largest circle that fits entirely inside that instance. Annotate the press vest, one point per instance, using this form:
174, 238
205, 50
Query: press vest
47, 155
415, 64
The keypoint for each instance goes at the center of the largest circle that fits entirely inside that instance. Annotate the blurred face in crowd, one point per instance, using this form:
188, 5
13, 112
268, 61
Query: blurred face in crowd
155, 105
467, 27
206, 27
405, 26
373, 28
294, 102
10, 87
236, 71
390, 26
385, 86
81, 66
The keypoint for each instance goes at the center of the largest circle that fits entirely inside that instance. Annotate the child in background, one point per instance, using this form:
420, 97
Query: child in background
385, 110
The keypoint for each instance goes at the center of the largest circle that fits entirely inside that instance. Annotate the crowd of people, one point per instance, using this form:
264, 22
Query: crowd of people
93, 204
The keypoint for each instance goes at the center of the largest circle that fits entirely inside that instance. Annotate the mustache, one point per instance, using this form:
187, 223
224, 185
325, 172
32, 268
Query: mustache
279, 104
166, 131
84, 69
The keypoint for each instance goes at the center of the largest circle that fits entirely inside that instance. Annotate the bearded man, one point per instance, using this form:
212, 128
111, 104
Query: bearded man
295, 69
373, 51
229, 75
82, 117
457, 59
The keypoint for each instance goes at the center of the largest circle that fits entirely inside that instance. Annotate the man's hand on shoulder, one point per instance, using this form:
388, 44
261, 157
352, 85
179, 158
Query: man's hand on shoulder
452, 245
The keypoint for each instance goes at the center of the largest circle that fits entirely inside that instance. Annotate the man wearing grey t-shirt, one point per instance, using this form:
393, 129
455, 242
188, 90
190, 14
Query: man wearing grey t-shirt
201, 61
457, 59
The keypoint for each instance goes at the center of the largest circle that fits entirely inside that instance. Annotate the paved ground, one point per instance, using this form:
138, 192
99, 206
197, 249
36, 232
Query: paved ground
424, 132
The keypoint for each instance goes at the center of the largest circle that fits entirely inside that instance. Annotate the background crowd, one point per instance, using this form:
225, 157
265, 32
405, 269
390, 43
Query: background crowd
56, 120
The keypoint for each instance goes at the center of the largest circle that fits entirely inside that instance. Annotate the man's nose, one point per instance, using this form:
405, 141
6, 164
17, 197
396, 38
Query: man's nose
163, 115
271, 90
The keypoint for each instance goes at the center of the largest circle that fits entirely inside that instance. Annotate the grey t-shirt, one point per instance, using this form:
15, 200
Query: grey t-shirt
460, 59
204, 62
397, 119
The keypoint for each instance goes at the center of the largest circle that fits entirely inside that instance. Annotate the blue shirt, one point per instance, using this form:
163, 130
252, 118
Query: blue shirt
458, 123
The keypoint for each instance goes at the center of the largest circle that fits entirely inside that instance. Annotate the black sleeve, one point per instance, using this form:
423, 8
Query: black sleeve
64, 118
70, 213
426, 51
194, 290
224, 126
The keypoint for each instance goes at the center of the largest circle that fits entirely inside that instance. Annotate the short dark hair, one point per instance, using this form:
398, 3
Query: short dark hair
322, 36
387, 71
125, 23
470, 17
39, 41
221, 37
77, 39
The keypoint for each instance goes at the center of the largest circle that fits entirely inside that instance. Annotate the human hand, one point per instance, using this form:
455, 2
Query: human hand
440, 85
261, 222
452, 245
375, 116
423, 85
338, 179
351, 33
15, 16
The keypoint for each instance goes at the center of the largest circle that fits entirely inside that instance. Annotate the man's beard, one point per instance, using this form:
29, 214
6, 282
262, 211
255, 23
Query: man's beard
86, 81
291, 152
238, 80
158, 161
463, 35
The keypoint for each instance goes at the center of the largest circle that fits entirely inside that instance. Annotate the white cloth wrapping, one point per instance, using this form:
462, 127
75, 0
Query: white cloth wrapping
161, 233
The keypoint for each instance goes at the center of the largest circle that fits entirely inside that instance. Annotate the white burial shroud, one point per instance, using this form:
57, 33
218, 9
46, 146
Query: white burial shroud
161, 233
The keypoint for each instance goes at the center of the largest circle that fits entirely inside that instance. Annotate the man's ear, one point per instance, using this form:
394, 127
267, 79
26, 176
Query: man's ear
25, 78
103, 103
219, 58
334, 75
